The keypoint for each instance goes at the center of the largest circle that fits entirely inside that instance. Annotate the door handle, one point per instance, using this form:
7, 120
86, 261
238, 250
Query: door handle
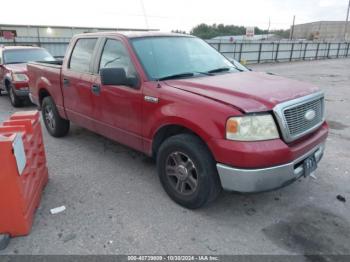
65, 82
96, 89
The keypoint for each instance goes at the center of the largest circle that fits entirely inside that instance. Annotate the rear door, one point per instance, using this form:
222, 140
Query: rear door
117, 108
77, 81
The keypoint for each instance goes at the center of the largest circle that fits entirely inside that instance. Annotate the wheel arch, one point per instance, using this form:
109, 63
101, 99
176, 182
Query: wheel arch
43, 92
172, 129
7, 83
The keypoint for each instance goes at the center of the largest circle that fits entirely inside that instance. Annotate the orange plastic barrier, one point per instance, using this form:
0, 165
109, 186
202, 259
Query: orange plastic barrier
23, 172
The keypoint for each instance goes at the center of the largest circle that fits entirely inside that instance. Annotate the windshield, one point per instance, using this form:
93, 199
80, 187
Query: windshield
26, 55
164, 57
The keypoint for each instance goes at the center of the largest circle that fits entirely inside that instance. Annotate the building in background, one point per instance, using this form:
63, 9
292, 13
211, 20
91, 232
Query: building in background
58, 31
322, 30
54, 38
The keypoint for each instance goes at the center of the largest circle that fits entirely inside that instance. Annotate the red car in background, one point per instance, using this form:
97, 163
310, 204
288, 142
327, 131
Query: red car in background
13, 70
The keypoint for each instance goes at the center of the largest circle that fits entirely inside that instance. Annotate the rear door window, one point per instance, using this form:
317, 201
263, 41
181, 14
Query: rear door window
82, 55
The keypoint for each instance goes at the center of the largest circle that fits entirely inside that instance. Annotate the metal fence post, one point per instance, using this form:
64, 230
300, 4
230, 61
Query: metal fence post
240, 52
277, 50
291, 52
304, 56
234, 50
38, 33
259, 54
338, 50
329, 49
318, 47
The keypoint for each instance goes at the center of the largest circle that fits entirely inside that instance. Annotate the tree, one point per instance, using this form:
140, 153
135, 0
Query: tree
281, 32
209, 31
178, 31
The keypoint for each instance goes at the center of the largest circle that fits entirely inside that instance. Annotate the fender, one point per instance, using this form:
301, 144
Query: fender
7, 77
173, 121
200, 125
44, 84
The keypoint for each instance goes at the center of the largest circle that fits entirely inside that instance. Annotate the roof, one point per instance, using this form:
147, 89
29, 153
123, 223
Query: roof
133, 34
18, 47
325, 21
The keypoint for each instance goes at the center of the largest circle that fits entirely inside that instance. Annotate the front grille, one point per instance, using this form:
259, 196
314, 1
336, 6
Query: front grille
300, 116
295, 117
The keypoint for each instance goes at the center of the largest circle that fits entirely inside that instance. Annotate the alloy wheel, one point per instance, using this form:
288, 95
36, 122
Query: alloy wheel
182, 173
49, 117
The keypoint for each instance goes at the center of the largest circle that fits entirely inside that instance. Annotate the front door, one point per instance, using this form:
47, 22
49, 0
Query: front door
117, 109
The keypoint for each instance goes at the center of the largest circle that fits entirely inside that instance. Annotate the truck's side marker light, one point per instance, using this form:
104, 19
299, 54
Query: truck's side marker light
232, 126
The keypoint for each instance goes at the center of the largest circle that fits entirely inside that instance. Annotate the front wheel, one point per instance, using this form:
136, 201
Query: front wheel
56, 125
187, 171
14, 99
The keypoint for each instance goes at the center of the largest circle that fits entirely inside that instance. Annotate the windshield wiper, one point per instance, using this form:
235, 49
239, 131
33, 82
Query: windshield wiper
12, 63
187, 74
218, 70
223, 69
175, 76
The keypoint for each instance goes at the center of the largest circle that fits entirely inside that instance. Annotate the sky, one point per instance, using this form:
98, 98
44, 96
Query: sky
168, 15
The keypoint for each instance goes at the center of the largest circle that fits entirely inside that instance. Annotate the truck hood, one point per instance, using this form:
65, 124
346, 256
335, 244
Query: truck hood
17, 68
247, 91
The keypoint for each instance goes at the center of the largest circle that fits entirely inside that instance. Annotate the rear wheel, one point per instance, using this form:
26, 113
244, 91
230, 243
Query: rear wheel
187, 171
56, 125
14, 99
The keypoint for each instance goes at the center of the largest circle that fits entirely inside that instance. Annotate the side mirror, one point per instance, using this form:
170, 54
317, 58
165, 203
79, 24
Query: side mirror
117, 76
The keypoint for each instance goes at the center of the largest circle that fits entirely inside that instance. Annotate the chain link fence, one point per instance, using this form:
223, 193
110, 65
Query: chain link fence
248, 52
251, 52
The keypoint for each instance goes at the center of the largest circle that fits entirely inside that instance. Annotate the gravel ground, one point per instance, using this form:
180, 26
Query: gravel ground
115, 204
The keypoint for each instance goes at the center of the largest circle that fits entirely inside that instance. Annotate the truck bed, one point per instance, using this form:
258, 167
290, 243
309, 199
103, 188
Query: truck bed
45, 74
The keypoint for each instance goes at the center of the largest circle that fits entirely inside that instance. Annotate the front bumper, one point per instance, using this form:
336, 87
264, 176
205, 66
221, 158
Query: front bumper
33, 99
265, 179
23, 92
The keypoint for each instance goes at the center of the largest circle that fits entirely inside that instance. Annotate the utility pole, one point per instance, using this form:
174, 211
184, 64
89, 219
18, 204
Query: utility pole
346, 22
144, 14
292, 29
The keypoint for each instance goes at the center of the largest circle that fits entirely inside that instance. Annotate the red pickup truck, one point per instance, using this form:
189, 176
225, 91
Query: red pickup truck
210, 123
13, 70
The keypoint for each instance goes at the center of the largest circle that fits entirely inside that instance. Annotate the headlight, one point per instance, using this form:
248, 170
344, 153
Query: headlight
251, 128
20, 77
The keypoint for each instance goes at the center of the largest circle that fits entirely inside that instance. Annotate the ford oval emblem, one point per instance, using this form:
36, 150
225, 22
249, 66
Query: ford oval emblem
310, 114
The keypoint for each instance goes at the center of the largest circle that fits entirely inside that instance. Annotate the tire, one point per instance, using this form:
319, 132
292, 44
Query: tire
187, 171
14, 99
55, 125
